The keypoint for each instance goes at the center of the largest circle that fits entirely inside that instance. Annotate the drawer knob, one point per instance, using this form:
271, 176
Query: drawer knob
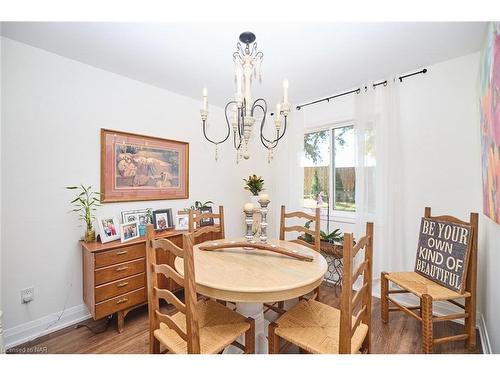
122, 252
121, 285
123, 268
121, 300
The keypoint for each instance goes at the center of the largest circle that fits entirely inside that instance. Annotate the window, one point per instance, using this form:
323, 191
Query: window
329, 168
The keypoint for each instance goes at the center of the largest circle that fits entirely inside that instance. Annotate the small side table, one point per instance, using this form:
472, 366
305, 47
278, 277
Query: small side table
333, 255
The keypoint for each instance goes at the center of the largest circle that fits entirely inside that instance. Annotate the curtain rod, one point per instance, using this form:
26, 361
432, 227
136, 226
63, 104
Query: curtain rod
357, 91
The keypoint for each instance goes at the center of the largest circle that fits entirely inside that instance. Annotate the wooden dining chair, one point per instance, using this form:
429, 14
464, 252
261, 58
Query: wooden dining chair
428, 291
278, 307
216, 233
315, 234
321, 329
198, 326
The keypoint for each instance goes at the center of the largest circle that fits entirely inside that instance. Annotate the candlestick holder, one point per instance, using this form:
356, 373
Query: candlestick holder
249, 223
263, 223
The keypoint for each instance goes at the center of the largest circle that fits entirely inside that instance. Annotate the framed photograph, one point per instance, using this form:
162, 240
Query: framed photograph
209, 221
109, 228
137, 167
139, 216
129, 231
162, 219
182, 222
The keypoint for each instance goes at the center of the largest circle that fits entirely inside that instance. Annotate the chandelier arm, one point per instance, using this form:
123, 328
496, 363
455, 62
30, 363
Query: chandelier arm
284, 130
273, 143
228, 129
234, 142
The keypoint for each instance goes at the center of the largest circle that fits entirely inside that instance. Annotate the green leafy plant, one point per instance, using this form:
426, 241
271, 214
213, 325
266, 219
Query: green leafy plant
254, 183
335, 237
198, 205
85, 203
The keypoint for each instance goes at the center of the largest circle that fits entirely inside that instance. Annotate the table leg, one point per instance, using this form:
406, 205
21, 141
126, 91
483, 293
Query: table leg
255, 311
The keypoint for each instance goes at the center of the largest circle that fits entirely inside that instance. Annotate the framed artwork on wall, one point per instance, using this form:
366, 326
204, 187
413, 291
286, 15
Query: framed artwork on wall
109, 228
137, 167
490, 122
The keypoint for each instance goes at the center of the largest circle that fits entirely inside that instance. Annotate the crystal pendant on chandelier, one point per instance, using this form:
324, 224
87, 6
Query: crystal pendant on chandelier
245, 112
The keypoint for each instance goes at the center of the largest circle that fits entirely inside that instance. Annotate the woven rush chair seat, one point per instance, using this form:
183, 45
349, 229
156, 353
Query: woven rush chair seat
419, 285
315, 327
219, 327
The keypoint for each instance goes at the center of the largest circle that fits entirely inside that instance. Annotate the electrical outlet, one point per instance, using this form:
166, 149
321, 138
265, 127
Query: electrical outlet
27, 294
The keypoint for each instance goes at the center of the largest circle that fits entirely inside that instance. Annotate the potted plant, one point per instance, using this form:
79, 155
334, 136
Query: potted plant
331, 243
254, 184
85, 203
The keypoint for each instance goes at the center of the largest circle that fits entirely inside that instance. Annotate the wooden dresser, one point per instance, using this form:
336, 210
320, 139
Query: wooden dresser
114, 275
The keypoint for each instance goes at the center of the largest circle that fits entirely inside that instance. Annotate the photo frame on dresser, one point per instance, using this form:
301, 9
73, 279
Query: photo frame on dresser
109, 228
129, 231
163, 219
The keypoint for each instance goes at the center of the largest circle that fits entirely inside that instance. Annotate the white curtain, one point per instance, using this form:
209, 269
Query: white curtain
379, 190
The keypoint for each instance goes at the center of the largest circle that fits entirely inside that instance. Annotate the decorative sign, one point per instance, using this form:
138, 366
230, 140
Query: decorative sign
443, 252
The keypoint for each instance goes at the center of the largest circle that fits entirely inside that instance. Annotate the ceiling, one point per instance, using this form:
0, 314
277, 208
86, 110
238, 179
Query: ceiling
318, 59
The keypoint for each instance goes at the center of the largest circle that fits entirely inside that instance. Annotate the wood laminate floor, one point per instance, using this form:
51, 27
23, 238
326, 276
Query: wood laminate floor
400, 335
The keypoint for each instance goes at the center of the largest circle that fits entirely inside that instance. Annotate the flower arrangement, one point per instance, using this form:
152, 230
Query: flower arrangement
85, 203
254, 183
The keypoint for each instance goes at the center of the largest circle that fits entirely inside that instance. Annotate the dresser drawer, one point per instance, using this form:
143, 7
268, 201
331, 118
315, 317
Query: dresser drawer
120, 302
115, 288
119, 271
122, 254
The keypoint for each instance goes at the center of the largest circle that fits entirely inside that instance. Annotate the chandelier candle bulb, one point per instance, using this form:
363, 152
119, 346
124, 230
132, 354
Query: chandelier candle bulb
205, 99
285, 91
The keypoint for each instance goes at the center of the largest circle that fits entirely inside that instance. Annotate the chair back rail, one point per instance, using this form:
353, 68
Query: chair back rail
188, 308
359, 305
206, 234
316, 219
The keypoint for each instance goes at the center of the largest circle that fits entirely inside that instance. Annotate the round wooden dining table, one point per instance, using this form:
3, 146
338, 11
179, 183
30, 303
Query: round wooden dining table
250, 277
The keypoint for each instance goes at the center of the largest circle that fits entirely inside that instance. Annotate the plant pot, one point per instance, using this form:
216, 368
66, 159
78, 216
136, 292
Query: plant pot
89, 235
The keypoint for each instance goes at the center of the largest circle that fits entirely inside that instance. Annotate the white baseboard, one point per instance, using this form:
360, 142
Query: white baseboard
483, 334
31, 330
2, 347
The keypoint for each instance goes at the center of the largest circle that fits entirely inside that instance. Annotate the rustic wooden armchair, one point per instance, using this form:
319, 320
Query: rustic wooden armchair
278, 307
321, 329
429, 291
216, 231
198, 326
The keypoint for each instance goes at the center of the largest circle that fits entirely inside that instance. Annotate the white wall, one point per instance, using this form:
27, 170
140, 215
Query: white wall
53, 109
1, 313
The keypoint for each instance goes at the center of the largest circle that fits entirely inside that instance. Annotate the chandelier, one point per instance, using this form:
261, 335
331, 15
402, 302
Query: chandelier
243, 112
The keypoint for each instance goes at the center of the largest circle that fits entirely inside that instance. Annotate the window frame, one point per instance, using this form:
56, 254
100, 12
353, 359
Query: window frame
336, 215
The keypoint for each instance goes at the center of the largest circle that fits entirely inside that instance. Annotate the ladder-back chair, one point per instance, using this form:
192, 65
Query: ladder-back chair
198, 326
216, 233
429, 291
278, 307
321, 329
315, 234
